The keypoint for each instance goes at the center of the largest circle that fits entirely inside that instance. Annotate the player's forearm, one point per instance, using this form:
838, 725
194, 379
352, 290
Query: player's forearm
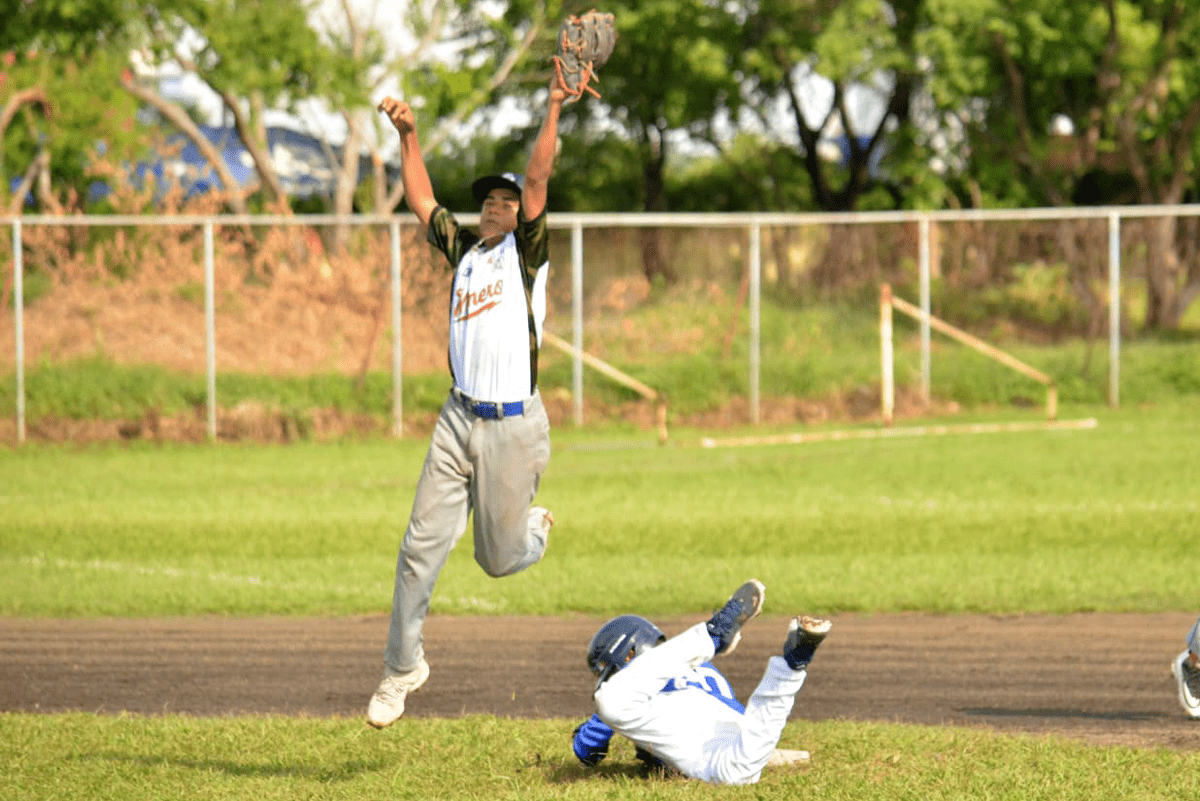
418, 190
541, 159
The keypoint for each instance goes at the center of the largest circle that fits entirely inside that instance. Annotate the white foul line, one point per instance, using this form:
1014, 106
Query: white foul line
889, 433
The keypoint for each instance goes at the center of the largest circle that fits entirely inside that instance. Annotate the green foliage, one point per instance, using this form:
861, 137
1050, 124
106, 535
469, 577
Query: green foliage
477, 44
670, 68
64, 27
1031, 62
97, 388
1038, 298
251, 46
842, 68
88, 119
452, 170
110, 392
750, 174
820, 352
329, 391
1165, 377
973, 92
594, 174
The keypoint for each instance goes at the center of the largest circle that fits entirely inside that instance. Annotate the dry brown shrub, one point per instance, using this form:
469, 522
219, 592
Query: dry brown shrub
283, 304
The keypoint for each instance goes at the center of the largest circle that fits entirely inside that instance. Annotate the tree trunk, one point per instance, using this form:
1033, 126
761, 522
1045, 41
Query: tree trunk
254, 139
180, 119
781, 245
347, 183
654, 266
25, 97
1161, 266
1186, 285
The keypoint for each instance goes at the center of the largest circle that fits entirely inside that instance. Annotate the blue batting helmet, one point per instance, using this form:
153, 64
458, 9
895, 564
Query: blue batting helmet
618, 641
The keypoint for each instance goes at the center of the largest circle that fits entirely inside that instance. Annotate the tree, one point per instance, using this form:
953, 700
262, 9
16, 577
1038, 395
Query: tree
668, 78
59, 110
1124, 75
849, 71
486, 49
64, 27
254, 54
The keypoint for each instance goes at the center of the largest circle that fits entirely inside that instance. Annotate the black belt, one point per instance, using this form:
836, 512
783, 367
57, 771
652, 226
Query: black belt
488, 410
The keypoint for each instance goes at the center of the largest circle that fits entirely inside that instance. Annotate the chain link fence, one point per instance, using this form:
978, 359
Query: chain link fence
307, 294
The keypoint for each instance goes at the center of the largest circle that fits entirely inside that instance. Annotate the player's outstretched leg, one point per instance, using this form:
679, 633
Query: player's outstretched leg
725, 627
1187, 677
387, 704
805, 633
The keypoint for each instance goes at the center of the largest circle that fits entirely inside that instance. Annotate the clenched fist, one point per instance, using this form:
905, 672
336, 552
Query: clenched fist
400, 113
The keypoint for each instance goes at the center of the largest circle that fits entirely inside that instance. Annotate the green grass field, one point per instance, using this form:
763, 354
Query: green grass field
1100, 519
1042, 521
480, 757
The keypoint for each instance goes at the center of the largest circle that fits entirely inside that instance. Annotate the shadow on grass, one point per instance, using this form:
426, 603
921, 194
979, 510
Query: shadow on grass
1051, 712
611, 771
325, 774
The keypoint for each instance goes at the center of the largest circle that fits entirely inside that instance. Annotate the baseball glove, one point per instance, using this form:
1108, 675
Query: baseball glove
584, 44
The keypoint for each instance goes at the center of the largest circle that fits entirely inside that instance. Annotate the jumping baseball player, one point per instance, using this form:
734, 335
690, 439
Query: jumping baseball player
676, 707
491, 442
1186, 670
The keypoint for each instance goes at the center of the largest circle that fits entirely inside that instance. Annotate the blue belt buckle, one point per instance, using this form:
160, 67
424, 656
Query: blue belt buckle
498, 411
488, 410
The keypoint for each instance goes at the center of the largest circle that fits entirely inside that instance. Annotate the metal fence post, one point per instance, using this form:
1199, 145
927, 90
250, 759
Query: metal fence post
1114, 310
210, 327
925, 269
397, 338
887, 384
755, 316
19, 331
577, 318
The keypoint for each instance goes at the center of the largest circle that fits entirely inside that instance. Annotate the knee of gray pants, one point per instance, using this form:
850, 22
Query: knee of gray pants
512, 563
498, 563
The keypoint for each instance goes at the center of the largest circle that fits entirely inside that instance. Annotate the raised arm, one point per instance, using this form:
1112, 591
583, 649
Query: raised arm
418, 191
541, 158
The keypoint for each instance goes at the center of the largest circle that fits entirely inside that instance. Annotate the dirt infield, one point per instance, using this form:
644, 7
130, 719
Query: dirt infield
1099, 677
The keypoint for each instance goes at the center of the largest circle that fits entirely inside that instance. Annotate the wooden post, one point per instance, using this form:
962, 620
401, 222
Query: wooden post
977, 344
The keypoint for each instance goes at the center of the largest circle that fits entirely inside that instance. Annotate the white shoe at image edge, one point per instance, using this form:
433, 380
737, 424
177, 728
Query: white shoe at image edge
387, 704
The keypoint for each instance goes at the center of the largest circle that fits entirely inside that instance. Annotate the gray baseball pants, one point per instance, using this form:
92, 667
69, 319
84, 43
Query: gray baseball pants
488, 467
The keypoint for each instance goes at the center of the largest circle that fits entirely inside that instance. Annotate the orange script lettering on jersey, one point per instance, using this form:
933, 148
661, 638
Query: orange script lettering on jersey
469, 304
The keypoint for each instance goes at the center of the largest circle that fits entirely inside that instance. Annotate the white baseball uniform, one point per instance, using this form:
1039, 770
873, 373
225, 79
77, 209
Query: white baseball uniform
671, 702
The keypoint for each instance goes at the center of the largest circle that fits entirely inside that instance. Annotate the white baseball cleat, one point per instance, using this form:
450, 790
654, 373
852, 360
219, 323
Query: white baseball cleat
387, 704
1187, 676
540, 521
